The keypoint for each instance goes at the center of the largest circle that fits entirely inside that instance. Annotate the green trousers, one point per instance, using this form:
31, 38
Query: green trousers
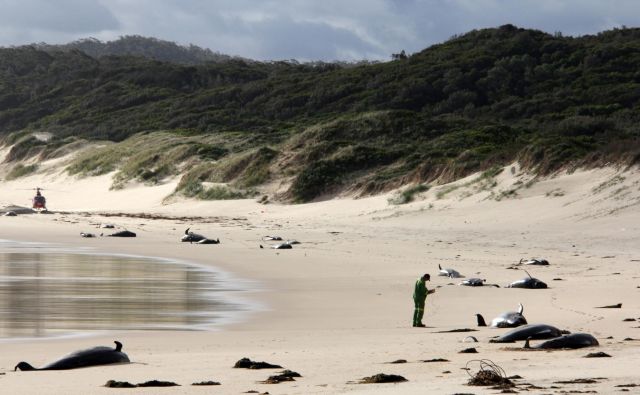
418, 312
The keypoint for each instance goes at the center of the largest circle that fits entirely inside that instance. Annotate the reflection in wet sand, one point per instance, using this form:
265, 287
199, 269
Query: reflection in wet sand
52, 293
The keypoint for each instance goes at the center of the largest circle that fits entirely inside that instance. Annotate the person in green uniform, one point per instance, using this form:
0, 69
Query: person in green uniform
419, 297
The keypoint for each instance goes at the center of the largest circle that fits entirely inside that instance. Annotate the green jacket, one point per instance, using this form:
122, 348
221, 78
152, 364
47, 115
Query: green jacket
421, 291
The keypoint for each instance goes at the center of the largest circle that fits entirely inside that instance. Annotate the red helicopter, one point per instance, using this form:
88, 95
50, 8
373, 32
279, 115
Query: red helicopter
39, 201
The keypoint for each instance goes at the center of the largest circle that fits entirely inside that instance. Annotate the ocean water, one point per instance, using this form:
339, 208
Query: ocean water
48, 290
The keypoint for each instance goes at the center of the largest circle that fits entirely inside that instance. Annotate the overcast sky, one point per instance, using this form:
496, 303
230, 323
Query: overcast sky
301, 29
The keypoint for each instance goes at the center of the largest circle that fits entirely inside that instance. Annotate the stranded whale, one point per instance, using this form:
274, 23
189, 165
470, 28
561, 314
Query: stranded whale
574, 340
449, 272
83, 358
510, 319
529, 282
530, 331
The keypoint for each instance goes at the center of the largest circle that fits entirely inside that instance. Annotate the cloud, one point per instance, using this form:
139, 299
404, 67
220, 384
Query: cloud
301, 29
36, 20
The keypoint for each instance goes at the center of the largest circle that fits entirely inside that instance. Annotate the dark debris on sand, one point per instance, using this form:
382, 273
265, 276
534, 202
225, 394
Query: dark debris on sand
246, 363
435, 360
203, 383
578, 381
285, 375
397, 361
119, 384
490, 378
489, 374
458, 330
613, 306
470, 350
382, 378
158, 383
151, 383
598, 354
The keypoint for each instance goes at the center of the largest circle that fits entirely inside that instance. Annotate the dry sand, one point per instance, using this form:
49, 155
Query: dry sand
338, 307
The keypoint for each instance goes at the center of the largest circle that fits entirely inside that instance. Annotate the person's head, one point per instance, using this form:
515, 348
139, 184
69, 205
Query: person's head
426, 277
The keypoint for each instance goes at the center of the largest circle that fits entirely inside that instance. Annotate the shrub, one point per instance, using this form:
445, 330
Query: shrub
409, 194
21, 170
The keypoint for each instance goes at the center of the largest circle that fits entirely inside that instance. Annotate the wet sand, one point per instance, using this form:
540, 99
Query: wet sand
338, 307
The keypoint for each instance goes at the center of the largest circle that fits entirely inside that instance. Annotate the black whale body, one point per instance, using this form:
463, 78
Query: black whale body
509, 319
80, 359
574, 340
529, 331
191, 237
123, 233
528, 282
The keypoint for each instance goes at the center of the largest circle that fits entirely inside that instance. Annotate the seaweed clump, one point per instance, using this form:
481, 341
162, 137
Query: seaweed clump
285, 375
246, 363
490, 374
383, 378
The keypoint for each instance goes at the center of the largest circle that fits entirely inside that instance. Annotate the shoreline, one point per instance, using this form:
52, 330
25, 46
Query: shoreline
339, 304
228, 292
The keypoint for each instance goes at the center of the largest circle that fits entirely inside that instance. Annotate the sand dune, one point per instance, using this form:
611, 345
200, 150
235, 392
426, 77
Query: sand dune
338, 307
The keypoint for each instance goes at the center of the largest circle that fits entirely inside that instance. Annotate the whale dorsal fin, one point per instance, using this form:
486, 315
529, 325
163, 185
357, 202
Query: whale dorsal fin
439, 267
118, 345
480, 319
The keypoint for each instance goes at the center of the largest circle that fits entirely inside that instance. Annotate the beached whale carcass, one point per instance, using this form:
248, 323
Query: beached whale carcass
528, 282
509, 319
529, 331
84, 358
451, 273
573, 340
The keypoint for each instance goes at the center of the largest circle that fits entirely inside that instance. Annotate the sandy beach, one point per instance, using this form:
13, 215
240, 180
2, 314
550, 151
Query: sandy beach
338, 307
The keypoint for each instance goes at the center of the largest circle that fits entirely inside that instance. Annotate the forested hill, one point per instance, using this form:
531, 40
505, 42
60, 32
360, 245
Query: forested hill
148, 47
482, 99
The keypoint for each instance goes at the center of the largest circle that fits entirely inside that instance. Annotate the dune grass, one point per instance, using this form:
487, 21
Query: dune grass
408, 195
21, 170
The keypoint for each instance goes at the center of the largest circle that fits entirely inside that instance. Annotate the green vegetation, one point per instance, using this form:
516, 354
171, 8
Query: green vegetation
486, 180
195, 189
151, 48
408, 195
608, 184
21, 170
477, 102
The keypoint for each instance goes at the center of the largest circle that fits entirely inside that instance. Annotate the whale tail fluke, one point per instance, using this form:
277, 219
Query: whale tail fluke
480, 319
520, 308
118, 345
439, 267
24, 366
186, 232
